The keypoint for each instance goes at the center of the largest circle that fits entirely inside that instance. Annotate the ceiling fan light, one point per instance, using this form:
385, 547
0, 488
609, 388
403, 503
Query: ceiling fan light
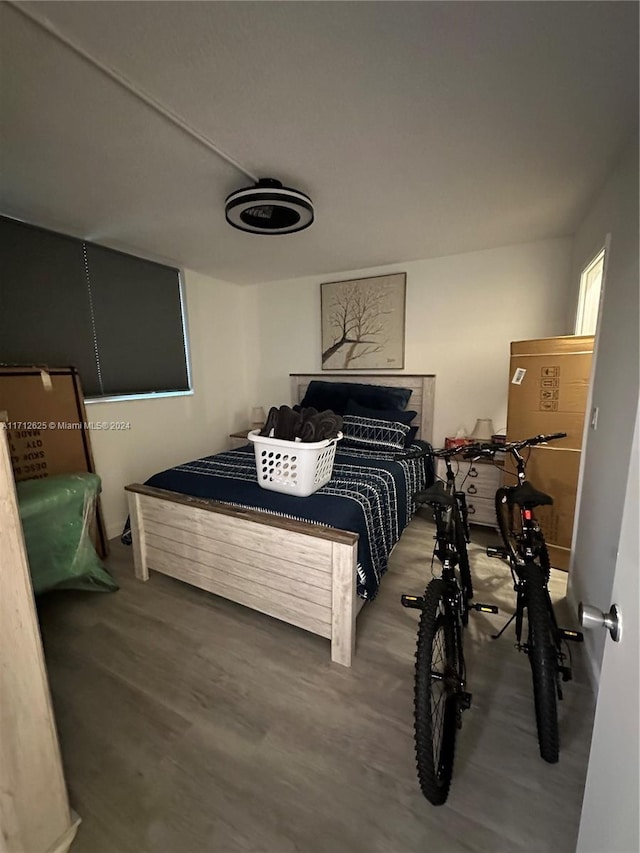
269, 208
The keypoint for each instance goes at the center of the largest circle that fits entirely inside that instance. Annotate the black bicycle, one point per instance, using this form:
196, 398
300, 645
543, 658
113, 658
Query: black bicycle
525, 550
440, 677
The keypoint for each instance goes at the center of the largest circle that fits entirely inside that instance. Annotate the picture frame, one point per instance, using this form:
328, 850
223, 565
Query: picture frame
363, 323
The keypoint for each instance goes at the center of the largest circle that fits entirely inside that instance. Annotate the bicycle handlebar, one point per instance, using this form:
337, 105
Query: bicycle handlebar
405, 456
442, 453
474, 451
544, 439
448, 452
489, 450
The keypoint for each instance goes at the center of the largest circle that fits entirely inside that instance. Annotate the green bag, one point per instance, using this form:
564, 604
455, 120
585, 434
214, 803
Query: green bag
56, 514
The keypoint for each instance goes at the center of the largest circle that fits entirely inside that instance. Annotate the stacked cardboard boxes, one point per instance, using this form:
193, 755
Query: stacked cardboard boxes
548, 391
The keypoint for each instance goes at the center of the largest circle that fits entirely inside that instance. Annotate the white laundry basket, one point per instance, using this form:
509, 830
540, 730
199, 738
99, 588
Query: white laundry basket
293, 467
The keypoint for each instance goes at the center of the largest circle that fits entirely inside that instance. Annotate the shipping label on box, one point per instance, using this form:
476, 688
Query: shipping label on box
518, 375
29, 453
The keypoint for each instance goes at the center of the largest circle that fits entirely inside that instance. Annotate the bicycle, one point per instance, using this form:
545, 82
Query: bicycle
526, 552
440, 693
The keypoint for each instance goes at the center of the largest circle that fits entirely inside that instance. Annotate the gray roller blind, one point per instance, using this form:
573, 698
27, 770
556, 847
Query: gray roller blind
45, 316
115, 317
138, 323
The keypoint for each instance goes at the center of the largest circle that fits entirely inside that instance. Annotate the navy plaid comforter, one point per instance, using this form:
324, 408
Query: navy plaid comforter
369, 493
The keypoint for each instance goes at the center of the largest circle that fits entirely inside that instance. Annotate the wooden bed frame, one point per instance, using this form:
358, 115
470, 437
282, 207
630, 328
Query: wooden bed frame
301, 573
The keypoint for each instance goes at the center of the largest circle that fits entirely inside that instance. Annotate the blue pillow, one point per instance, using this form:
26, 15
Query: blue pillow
326, 395
380, 396
335, 396
374, 433
403, 417
411, 436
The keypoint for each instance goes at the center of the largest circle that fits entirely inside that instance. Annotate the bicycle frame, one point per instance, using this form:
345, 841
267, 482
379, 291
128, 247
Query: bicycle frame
529, 536
440, 694
530, 549
530, 545
461, 498
447, 554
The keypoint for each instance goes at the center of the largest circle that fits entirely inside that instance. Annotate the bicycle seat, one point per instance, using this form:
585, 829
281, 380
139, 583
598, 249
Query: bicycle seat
435, 494
527, 495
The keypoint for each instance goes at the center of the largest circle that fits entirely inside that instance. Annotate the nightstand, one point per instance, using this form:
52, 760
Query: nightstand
239, 439
479, 480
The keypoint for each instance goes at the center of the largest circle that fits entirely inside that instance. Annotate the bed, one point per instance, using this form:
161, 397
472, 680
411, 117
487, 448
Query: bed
303, 573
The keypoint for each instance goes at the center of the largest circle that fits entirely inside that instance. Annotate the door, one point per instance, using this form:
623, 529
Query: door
609, 819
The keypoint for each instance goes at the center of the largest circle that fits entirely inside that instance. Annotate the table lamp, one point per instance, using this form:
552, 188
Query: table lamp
483, 430
258, 417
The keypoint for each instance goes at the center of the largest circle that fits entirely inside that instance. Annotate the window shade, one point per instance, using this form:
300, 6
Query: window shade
114, 316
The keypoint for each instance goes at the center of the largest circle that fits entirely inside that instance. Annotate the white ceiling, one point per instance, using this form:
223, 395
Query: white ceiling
419, 129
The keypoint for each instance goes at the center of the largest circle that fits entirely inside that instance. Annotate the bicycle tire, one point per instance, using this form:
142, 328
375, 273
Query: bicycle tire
543, 557
464, 569
544, 662
508, 518
435, 700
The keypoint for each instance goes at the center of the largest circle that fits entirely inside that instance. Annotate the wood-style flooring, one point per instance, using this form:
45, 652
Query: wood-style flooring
189, 724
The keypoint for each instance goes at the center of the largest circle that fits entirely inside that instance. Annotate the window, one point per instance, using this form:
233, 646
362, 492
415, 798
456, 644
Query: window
115, 317
589, 299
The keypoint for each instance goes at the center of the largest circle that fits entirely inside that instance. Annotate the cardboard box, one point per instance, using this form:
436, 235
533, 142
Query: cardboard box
548, 389
43, 412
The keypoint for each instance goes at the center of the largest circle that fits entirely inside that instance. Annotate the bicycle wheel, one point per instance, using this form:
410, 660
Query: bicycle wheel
436, 686
543, 659
509, 523
463, 570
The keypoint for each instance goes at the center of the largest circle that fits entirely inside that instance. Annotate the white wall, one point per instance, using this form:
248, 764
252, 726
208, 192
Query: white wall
170, 430
614, 391
462, 313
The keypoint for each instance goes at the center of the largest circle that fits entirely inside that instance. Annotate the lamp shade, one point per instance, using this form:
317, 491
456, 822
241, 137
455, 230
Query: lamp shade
483, 430
258, 416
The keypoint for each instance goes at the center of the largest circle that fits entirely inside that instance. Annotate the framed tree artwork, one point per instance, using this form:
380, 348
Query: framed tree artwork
363, 323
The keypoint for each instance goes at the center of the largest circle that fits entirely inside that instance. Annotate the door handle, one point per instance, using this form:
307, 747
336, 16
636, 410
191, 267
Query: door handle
591, 617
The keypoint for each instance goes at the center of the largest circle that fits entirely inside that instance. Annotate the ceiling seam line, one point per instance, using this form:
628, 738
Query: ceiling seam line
131, 87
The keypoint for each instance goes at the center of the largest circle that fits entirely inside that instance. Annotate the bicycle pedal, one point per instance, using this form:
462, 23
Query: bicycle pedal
464, 701
414, 601
573, 636
499, 553
565, 672
484, 608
